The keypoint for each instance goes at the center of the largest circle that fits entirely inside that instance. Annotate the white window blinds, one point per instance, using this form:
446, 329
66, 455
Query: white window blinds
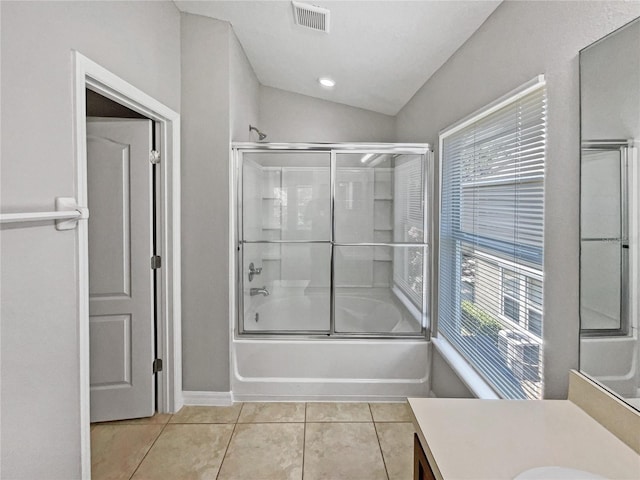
491, 241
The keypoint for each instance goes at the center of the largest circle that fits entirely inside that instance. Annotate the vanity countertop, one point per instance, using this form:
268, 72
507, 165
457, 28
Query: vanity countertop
499, 439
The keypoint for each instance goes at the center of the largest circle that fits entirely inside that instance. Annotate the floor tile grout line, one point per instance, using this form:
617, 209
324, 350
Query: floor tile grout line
147, 452
265, 422
392, 421
375, 428
240, 413
332, 421
304, 439
204, 423
224, 456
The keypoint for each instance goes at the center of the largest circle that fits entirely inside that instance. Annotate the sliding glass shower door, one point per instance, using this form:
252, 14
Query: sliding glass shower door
333, 242
604, 243
379, 248
286, 233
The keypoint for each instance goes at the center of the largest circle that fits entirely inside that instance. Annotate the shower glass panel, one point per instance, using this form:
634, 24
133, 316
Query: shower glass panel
286, 230
604, 242
379, 198
379, 289
379, 278
333, 239
286, 196
292, 292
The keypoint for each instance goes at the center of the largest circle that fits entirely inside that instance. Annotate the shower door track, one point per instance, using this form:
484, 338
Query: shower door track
333, 149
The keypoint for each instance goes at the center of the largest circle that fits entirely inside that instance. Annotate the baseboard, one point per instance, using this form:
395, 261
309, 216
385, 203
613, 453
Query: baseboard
207, 399
249, 397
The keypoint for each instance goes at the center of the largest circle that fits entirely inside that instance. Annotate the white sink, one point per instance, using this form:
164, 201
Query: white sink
557, 473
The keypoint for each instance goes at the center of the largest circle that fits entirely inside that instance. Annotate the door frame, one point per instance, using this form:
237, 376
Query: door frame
91, 75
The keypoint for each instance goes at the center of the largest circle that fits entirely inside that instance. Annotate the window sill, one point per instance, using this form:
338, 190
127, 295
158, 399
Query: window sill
474, 382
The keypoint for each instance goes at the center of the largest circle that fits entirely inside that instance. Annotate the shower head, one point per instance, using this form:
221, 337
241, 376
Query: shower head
261, 136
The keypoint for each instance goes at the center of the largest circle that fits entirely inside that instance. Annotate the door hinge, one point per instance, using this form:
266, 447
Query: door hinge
154, 157
156, 262
157, 365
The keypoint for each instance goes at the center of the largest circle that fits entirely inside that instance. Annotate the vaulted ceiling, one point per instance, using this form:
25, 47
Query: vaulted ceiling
378, 52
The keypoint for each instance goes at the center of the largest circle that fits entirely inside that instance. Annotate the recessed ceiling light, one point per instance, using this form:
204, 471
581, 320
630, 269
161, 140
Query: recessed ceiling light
327, 82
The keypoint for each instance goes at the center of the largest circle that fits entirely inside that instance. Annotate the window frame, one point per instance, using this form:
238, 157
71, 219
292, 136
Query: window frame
526, 305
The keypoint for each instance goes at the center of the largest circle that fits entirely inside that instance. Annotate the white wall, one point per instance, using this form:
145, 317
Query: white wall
291, 117
517, 42
40, 404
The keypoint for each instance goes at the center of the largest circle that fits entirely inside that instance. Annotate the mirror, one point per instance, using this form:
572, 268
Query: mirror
610, 211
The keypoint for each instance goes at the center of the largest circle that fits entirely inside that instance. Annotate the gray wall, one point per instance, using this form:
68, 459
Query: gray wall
244, 90
444, 381
291, 117
205, 188
40, 405
219, 100
517, 42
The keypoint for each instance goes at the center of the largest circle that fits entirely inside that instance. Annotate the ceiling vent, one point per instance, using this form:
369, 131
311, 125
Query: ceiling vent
311, 16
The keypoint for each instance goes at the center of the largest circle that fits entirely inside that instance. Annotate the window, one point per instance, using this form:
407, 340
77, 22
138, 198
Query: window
522, 301
510, 296
491, 240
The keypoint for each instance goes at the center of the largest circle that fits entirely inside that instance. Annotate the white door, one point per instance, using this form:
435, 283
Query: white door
121, 293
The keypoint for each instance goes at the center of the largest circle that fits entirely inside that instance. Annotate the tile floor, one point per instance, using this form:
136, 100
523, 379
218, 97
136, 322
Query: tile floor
259, 441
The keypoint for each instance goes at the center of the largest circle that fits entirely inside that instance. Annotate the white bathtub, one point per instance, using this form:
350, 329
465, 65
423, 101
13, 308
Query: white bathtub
613, 361
312, 370
328, 369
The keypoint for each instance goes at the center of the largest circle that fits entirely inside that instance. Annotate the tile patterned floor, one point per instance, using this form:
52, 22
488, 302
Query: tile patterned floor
259, 441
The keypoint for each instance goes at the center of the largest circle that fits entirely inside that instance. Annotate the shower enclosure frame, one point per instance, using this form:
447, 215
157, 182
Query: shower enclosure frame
625, 150
423, 149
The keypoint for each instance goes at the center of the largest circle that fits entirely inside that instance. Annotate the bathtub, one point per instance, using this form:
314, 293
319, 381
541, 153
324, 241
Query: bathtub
331, 369
613, 361
328, 369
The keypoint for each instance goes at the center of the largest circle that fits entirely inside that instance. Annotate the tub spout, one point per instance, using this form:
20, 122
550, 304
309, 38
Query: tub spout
259, 291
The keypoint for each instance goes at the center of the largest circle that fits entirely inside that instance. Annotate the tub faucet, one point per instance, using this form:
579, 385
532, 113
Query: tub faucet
259, 291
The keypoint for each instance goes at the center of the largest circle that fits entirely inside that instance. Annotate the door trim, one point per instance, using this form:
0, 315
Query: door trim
89, 74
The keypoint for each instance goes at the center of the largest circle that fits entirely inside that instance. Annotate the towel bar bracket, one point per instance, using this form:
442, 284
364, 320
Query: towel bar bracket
64, 204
